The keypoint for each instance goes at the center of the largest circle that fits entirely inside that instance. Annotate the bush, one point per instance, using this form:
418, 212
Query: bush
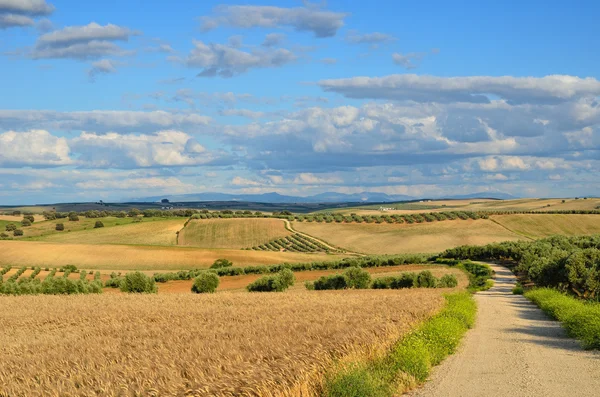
406, 280
60, 227
357, 278
73, 217
25, 222
17, 232
276, 283
335, 281
221, 263
11, 227
30, 218
518, 289
3, 235
426, 279
447, 281
205, 282
137, 282
98, 224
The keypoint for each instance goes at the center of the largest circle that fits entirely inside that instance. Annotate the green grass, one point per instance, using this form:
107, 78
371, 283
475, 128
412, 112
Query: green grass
580, 319
410, 361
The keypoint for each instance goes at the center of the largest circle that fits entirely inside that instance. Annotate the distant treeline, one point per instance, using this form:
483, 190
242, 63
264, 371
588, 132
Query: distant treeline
319, 217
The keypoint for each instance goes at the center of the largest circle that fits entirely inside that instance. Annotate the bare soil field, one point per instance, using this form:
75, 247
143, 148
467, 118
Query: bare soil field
240, 282
544, 225
232, 233
132, 257
407, 238
220, 344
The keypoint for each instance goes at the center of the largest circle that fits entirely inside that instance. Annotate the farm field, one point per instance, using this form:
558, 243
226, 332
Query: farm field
132, 257
529, 204
42, 229
223, 344
544, 225
407, 238
231, 233
150, 231
240, 282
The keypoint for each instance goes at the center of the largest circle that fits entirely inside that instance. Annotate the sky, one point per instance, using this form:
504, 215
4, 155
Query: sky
116, 100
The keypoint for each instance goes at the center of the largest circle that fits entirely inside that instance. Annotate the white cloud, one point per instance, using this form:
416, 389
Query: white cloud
165, 148
369, 38
228, 61
33, 148
312, 179
82, 42
408, 61
548, 89
171, 185
321, 23
239, 181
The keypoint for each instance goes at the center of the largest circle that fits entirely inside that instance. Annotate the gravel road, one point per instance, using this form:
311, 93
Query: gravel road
515, 350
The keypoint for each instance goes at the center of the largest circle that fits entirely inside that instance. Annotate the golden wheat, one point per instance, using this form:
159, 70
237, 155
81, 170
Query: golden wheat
226, 344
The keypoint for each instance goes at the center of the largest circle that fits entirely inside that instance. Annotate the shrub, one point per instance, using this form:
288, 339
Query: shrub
25, 222
357, 278
60, 227
17, 232
275, 283
221, 263
406, 280
137, 282
205, 282
518, 289
73, 217
30, 218
98, 224
11, 227
447, 281
335, 281
69, 268
426, 279
3, 235
383, 282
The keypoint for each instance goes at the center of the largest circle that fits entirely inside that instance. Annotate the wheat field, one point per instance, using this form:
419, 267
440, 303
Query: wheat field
404, 238
134, 257
226, 344
232, 233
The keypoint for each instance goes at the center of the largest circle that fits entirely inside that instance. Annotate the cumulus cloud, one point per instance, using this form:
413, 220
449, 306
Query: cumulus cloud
369, 38
227, 61
33, 148
91, 41
251, 114
305, 19
20, 13
239, 181
165, 148
411, 87
101, 121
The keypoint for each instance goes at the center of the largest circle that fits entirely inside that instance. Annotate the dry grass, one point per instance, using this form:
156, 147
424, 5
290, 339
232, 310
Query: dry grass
130, 257
226, 344
16, 218
240, 282
404, 238
232, 233
158, 232
544, 225
528, 204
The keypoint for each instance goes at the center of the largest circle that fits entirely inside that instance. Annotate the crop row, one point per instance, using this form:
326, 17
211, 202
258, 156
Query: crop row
295, 243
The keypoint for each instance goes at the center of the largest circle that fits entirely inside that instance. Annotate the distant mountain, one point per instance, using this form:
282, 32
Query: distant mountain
329, 197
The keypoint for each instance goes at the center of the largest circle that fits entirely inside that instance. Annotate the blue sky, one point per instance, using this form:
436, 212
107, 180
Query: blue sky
113, 100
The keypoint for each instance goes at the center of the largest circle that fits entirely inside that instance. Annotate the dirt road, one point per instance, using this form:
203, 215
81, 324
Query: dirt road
515, 350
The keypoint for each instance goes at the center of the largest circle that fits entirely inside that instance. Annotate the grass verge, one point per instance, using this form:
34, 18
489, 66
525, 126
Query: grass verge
410, 361
580, 319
